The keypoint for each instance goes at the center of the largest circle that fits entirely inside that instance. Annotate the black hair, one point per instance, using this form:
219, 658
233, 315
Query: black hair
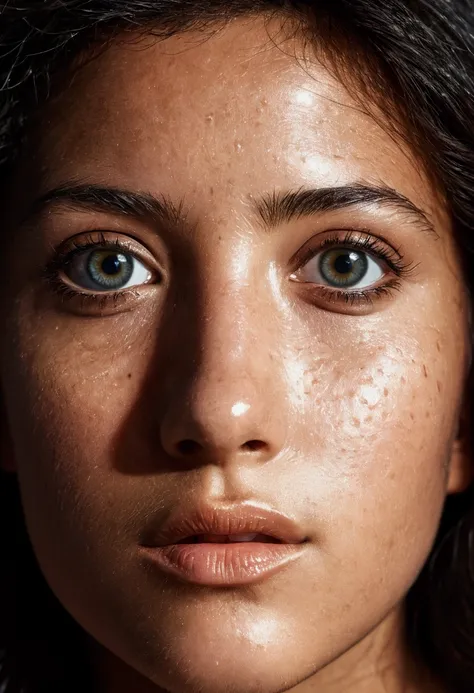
417, 60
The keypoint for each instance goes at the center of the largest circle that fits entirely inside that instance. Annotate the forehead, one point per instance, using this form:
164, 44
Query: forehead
234, 111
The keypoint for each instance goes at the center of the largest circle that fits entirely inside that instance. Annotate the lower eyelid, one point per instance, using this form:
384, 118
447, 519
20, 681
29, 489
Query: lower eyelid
353, 301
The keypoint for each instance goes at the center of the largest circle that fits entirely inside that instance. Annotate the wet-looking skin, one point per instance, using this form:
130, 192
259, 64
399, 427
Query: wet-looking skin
231, 293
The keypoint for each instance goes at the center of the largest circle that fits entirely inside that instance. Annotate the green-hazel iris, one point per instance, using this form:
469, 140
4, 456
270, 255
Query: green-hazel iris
343, 267
110, 269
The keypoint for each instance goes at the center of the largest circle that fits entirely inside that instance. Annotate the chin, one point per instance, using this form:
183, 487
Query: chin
234, 672
238, 657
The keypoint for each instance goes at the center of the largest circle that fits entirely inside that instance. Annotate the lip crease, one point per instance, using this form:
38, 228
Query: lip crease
175, 547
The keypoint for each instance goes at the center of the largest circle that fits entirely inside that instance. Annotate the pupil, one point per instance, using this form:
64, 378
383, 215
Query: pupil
111, 265
343, 264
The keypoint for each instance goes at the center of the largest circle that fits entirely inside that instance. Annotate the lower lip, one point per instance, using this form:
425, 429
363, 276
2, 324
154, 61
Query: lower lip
224, 565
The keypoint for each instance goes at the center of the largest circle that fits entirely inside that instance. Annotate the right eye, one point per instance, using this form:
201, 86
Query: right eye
105, 269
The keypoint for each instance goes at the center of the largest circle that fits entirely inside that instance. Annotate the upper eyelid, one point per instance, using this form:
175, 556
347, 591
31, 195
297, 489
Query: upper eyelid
120, 241
311, 248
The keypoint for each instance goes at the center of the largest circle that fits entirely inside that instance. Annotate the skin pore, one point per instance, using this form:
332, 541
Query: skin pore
231, 335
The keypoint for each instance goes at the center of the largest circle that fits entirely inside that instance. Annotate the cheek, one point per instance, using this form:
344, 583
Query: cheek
67, 404
377, 425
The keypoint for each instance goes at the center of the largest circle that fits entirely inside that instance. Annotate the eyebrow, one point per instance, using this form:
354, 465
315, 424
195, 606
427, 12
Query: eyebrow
111, 200
278, 208
272, 210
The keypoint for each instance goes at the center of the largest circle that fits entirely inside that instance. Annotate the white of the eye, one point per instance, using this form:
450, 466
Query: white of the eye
373, 274
140, 275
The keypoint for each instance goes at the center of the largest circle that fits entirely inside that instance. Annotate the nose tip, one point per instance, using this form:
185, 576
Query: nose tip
219, 432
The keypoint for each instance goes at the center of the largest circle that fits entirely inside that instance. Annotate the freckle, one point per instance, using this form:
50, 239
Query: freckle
439, 386
211, 191
425, 371
315, 381
427, 415
385, 392
351, 393
356, 422
403, 380
129, 375
369, 419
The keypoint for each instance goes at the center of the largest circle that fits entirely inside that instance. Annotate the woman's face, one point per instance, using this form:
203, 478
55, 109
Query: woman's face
295, 342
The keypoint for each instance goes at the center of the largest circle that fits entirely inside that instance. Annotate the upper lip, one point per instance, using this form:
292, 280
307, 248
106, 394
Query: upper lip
224, 520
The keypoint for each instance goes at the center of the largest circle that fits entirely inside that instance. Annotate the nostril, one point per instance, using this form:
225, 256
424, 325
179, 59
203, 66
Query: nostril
188, 447
254, 445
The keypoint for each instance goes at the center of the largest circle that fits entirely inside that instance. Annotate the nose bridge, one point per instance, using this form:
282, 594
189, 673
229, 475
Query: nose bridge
232, 330
233, 300
222, 398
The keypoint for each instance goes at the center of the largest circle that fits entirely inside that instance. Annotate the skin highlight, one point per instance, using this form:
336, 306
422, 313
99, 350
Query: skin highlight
357, 407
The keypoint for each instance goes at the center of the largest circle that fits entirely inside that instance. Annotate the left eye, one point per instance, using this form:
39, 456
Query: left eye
106, 270
341, 268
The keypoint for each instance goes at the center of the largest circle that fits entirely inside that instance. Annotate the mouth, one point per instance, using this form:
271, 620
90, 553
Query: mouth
230, 539
224, 547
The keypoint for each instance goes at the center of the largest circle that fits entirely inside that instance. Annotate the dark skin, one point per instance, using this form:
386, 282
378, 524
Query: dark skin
230, 333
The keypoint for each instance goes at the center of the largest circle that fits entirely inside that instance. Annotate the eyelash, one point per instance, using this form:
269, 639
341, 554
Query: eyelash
372, 246
63, 256
369, 244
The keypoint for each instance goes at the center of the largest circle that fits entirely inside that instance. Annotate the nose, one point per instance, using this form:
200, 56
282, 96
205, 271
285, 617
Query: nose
224, 399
